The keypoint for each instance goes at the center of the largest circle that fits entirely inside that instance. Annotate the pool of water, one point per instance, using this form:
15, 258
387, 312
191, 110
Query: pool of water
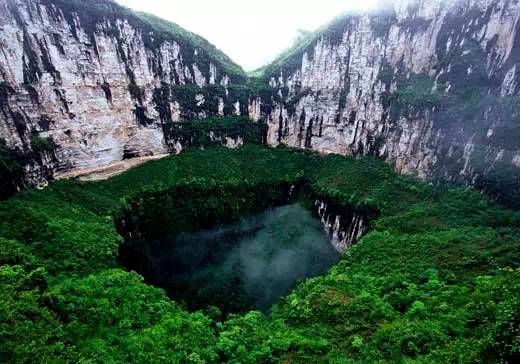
239, 267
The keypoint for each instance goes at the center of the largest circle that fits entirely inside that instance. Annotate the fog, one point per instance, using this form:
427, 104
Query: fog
251, 32
247, 265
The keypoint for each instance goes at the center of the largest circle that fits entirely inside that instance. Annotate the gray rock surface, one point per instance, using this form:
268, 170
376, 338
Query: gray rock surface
429, 85
465, 53
94, 84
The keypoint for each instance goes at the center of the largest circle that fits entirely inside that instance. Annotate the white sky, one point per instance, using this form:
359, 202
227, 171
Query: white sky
251, 32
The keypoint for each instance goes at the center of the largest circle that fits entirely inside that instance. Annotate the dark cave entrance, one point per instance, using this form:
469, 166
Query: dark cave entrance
236, 267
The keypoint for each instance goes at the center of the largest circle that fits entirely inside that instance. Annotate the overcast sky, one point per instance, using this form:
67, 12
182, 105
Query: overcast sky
251, 32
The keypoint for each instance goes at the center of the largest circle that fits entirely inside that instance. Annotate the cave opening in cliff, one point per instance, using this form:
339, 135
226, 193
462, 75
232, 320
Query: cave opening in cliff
236, 267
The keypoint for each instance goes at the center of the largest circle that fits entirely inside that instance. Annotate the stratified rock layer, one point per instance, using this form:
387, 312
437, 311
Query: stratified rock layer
431, 85
100, 81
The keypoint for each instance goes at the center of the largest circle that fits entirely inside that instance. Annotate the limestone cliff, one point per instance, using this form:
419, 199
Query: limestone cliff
431, 85
98, 82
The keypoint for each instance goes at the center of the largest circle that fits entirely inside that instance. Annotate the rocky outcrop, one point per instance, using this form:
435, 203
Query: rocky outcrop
343, 225
431, 85
101, 81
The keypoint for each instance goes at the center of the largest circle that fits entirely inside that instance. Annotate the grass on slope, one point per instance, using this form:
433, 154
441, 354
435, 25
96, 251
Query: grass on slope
291, 58
332, 32
167, 27
92, 13
436, 279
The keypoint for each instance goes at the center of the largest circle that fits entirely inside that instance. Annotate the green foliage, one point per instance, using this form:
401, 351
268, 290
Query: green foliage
214, 131
503, 182
11, 173
155, 31
290, 59
115, 316
65, 236
42, 145
254, 338
435, 279
415, 94
195, 101
186, 96
191, 106
258, 87
29, 330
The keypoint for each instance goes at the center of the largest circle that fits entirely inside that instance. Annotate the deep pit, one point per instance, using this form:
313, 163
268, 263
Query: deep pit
237, 267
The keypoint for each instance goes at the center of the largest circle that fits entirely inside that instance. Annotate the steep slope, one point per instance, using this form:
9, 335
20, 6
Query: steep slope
95, 82
431, 85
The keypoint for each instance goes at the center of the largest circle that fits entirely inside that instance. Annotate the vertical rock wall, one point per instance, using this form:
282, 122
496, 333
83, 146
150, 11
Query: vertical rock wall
343, 225
431, 85
100, 81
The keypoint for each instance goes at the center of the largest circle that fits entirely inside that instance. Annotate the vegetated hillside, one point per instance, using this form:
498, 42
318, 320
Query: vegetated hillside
290, 59
156, 30
435, 280
11, 174
431, 85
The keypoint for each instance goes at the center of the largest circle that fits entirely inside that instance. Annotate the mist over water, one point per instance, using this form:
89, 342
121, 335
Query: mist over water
244, 266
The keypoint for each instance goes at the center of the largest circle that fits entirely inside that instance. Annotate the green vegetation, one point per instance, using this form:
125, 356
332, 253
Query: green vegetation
290, 59
436, 280
186, 96
255, 87
42, 145
155, 31
418, 92
214, 131
413, 95
194, 100
11, 174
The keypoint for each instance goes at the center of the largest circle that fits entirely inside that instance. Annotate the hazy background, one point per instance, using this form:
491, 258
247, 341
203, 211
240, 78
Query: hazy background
251, 32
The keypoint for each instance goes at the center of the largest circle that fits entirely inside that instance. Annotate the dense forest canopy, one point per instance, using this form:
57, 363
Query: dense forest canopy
435, 279
433, 276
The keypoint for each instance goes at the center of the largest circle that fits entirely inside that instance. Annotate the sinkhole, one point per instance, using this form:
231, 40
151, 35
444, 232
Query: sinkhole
236, 267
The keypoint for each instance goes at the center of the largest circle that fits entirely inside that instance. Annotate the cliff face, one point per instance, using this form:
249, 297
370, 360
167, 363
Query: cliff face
98, 82
431, 85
